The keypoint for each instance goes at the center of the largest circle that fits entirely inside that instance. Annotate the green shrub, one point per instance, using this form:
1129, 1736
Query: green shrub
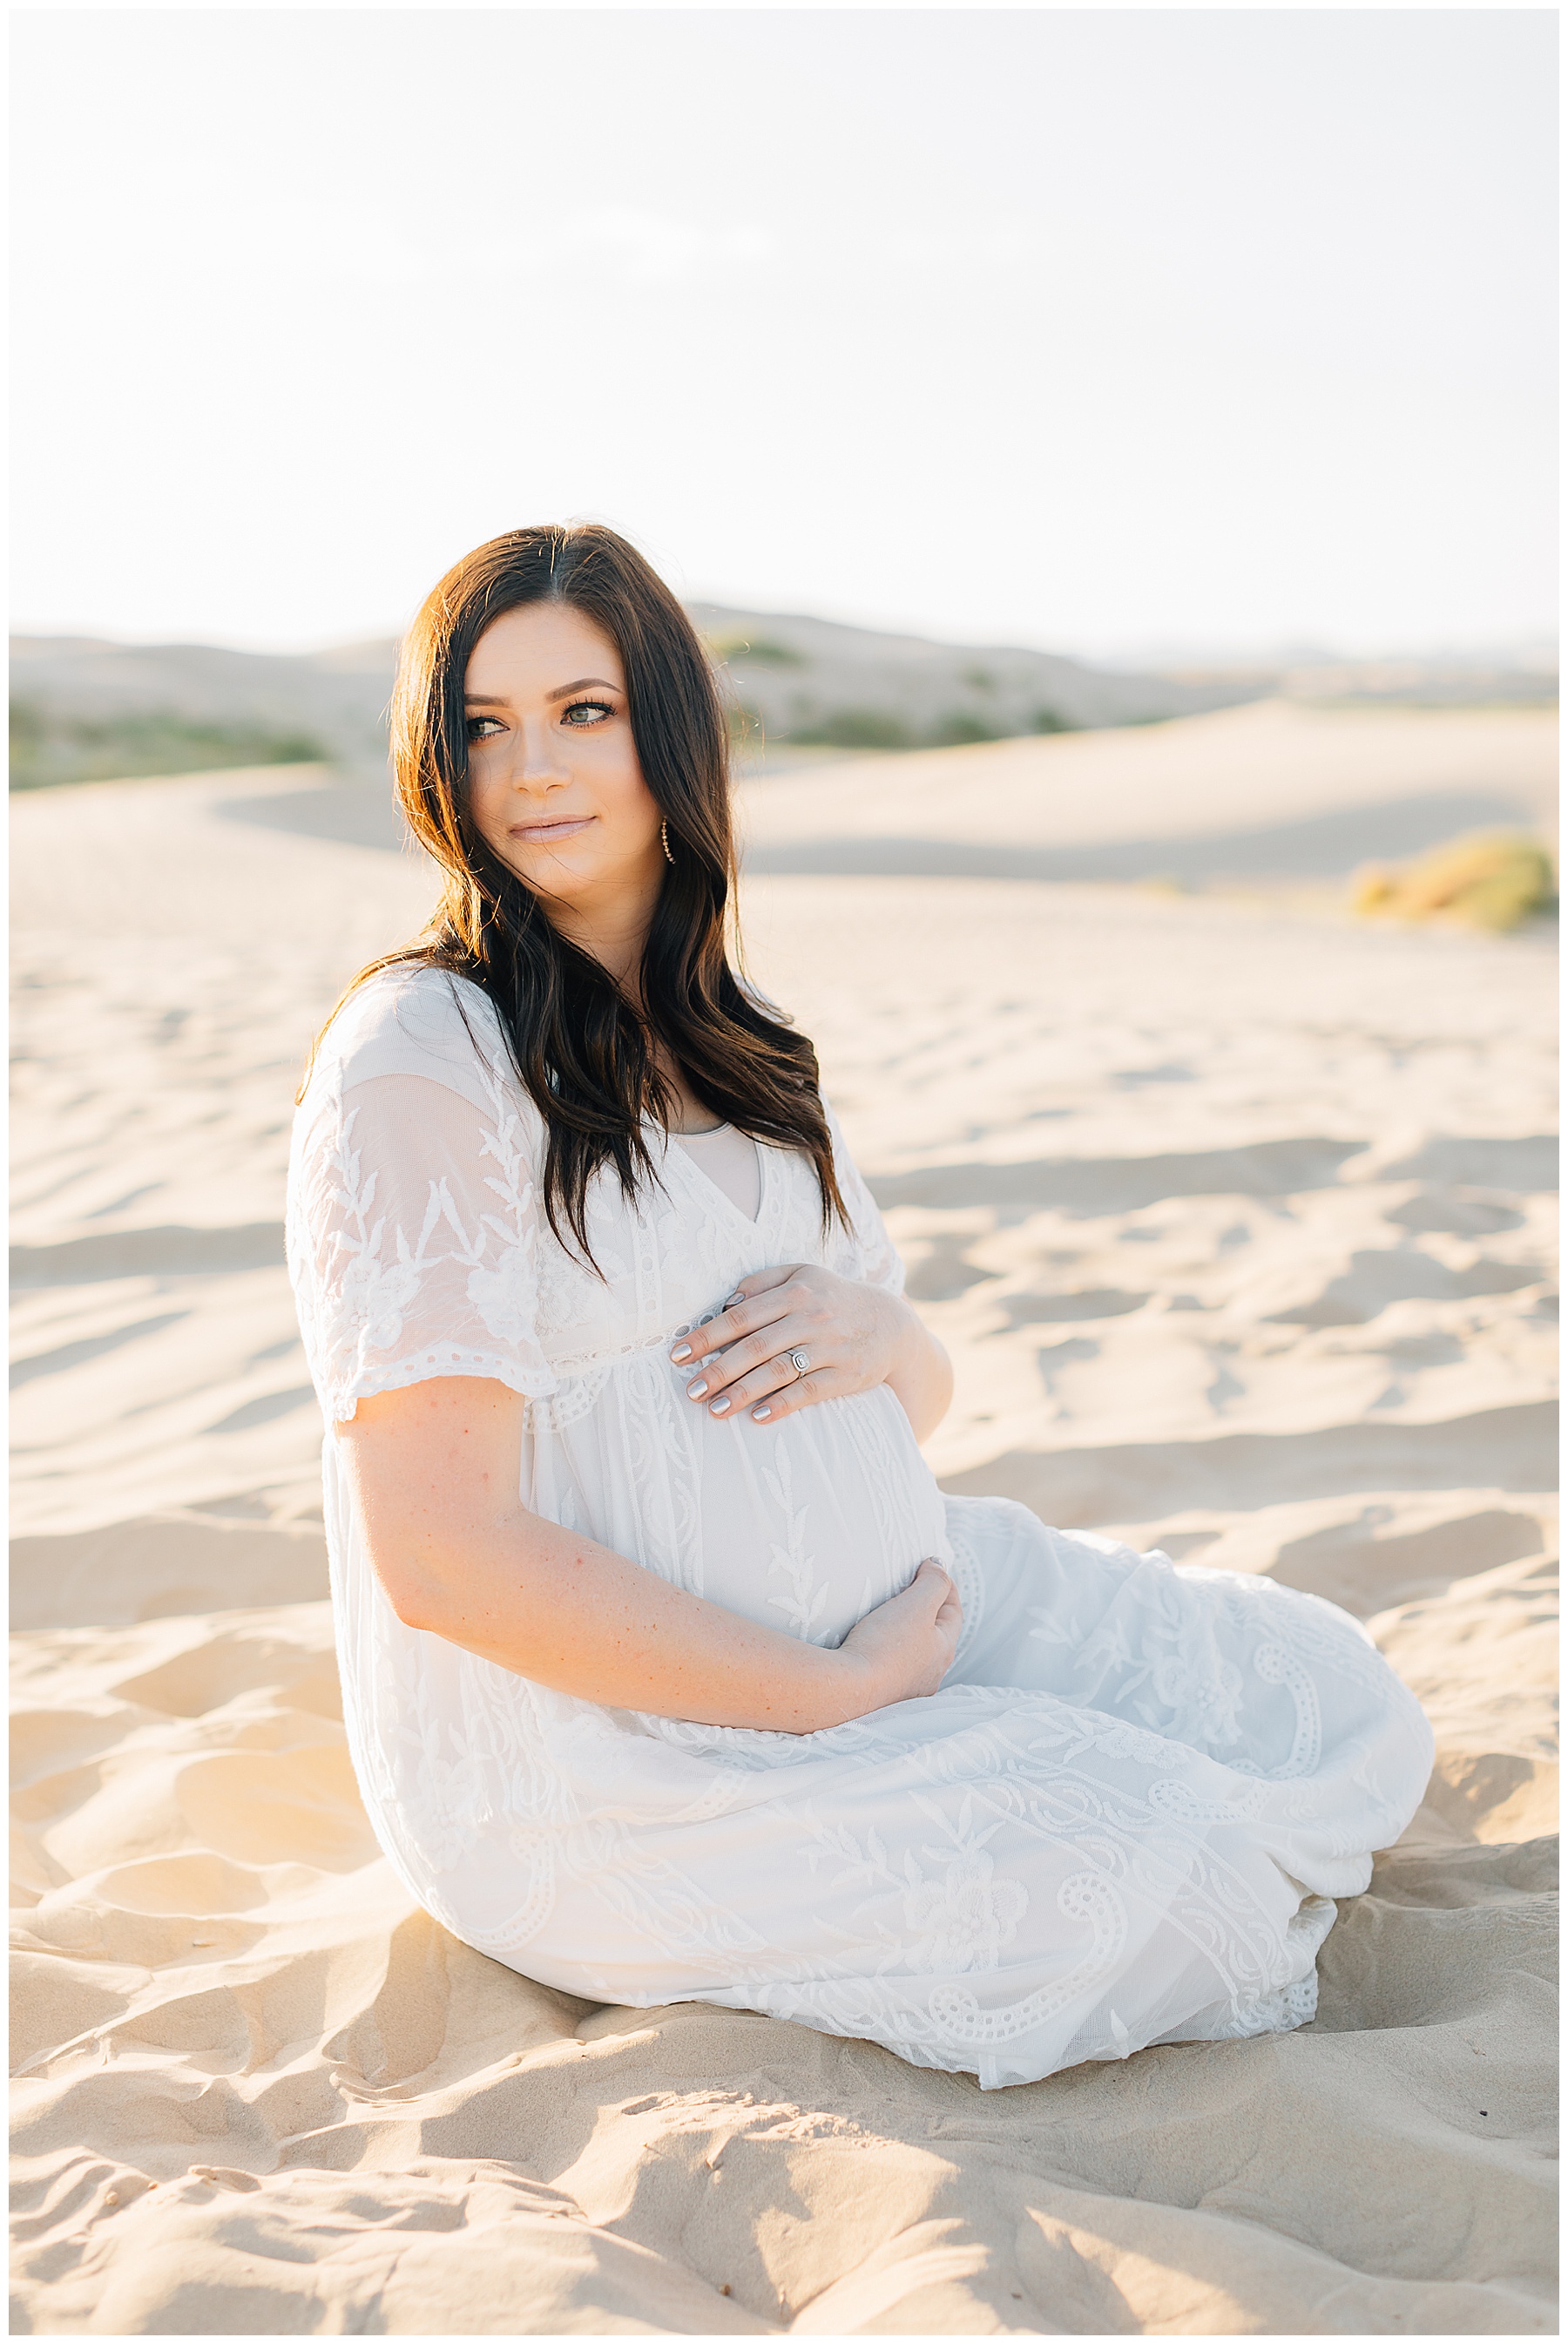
47, 749
856, 728
761, 648
957, 728
880, 728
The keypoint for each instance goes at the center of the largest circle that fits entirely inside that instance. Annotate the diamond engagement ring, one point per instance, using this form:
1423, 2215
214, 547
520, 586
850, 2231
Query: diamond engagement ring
799, 1362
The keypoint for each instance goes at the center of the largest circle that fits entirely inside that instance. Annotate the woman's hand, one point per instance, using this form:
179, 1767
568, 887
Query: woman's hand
906, 1646
851, 1336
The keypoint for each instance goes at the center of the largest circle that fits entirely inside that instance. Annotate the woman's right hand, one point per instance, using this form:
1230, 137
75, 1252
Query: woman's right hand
903, 1650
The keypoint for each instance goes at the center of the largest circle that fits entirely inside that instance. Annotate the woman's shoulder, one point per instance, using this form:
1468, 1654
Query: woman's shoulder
414, 1019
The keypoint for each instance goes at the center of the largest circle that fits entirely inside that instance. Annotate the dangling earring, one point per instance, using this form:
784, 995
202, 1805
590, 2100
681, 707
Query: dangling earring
663, 839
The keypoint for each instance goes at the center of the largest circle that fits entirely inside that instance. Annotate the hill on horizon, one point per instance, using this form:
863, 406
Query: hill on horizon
84, 708
87, 709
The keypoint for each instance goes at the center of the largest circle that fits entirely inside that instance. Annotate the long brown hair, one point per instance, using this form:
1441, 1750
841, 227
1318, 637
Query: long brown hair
583, 1051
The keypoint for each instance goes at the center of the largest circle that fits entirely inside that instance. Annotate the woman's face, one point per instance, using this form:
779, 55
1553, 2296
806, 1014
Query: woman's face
555, 787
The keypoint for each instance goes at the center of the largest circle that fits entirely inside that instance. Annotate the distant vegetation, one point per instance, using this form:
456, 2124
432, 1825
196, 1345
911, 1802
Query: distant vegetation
807, 715
877, 728
47, 748
1489, 879
855, 728
755, 647
815, 683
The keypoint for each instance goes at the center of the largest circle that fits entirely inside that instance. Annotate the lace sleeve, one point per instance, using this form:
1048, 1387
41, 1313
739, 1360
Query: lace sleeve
871, 1253
412, 1229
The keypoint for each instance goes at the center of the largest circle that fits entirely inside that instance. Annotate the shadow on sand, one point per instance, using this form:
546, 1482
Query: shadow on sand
1325, 846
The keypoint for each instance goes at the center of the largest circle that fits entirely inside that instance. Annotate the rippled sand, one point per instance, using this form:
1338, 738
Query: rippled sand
1237, 1222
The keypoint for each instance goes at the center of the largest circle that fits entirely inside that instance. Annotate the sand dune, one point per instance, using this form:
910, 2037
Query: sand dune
1268, 791
1237, 1222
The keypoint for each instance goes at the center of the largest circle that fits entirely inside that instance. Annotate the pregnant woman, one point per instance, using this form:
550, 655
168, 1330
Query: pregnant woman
669, 1672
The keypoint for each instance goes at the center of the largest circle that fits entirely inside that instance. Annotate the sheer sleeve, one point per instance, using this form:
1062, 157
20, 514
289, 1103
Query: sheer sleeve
413, 1209
869, 1253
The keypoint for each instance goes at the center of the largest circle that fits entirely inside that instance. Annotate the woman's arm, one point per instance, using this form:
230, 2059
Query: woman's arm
854, 1336
434, 1471
921, 1375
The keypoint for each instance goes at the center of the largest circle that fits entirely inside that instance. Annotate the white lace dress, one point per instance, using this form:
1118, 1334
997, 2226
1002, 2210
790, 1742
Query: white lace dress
1120, 1822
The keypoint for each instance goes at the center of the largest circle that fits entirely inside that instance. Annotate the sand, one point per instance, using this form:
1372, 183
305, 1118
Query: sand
1237, 1219
1270, 791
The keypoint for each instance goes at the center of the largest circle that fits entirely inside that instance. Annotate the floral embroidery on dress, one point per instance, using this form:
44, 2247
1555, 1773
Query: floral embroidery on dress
803, 1605
1082, 1897
370, 1294
965, 1919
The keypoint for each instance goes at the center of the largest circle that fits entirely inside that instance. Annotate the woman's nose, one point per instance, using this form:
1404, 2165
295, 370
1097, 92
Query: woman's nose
541, 765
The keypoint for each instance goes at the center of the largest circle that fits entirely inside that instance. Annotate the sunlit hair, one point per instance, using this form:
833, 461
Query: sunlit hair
583, 1051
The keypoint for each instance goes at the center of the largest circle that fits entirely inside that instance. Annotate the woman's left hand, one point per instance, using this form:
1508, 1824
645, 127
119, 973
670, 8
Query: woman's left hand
852, 1337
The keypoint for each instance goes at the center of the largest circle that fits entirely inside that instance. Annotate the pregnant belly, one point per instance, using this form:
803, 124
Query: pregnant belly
804, 1526
808, 1526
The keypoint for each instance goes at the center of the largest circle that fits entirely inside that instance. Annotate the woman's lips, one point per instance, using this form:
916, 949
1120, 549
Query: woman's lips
544, 833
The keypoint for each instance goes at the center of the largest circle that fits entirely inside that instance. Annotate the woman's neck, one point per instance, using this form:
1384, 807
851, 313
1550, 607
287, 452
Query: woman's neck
613, 932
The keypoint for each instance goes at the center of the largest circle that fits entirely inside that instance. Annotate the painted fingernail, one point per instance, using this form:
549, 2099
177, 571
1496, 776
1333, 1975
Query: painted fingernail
695, 1392
681, 1351
733, 1298
719, 1406
760, 1415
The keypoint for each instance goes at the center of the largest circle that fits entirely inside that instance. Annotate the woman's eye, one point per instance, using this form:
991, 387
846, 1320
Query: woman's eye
584, 712
475, 727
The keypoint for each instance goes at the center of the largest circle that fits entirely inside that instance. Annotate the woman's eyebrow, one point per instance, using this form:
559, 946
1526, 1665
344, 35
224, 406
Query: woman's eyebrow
499, 700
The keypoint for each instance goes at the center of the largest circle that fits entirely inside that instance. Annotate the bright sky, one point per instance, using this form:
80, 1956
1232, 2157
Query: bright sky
1099, 331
